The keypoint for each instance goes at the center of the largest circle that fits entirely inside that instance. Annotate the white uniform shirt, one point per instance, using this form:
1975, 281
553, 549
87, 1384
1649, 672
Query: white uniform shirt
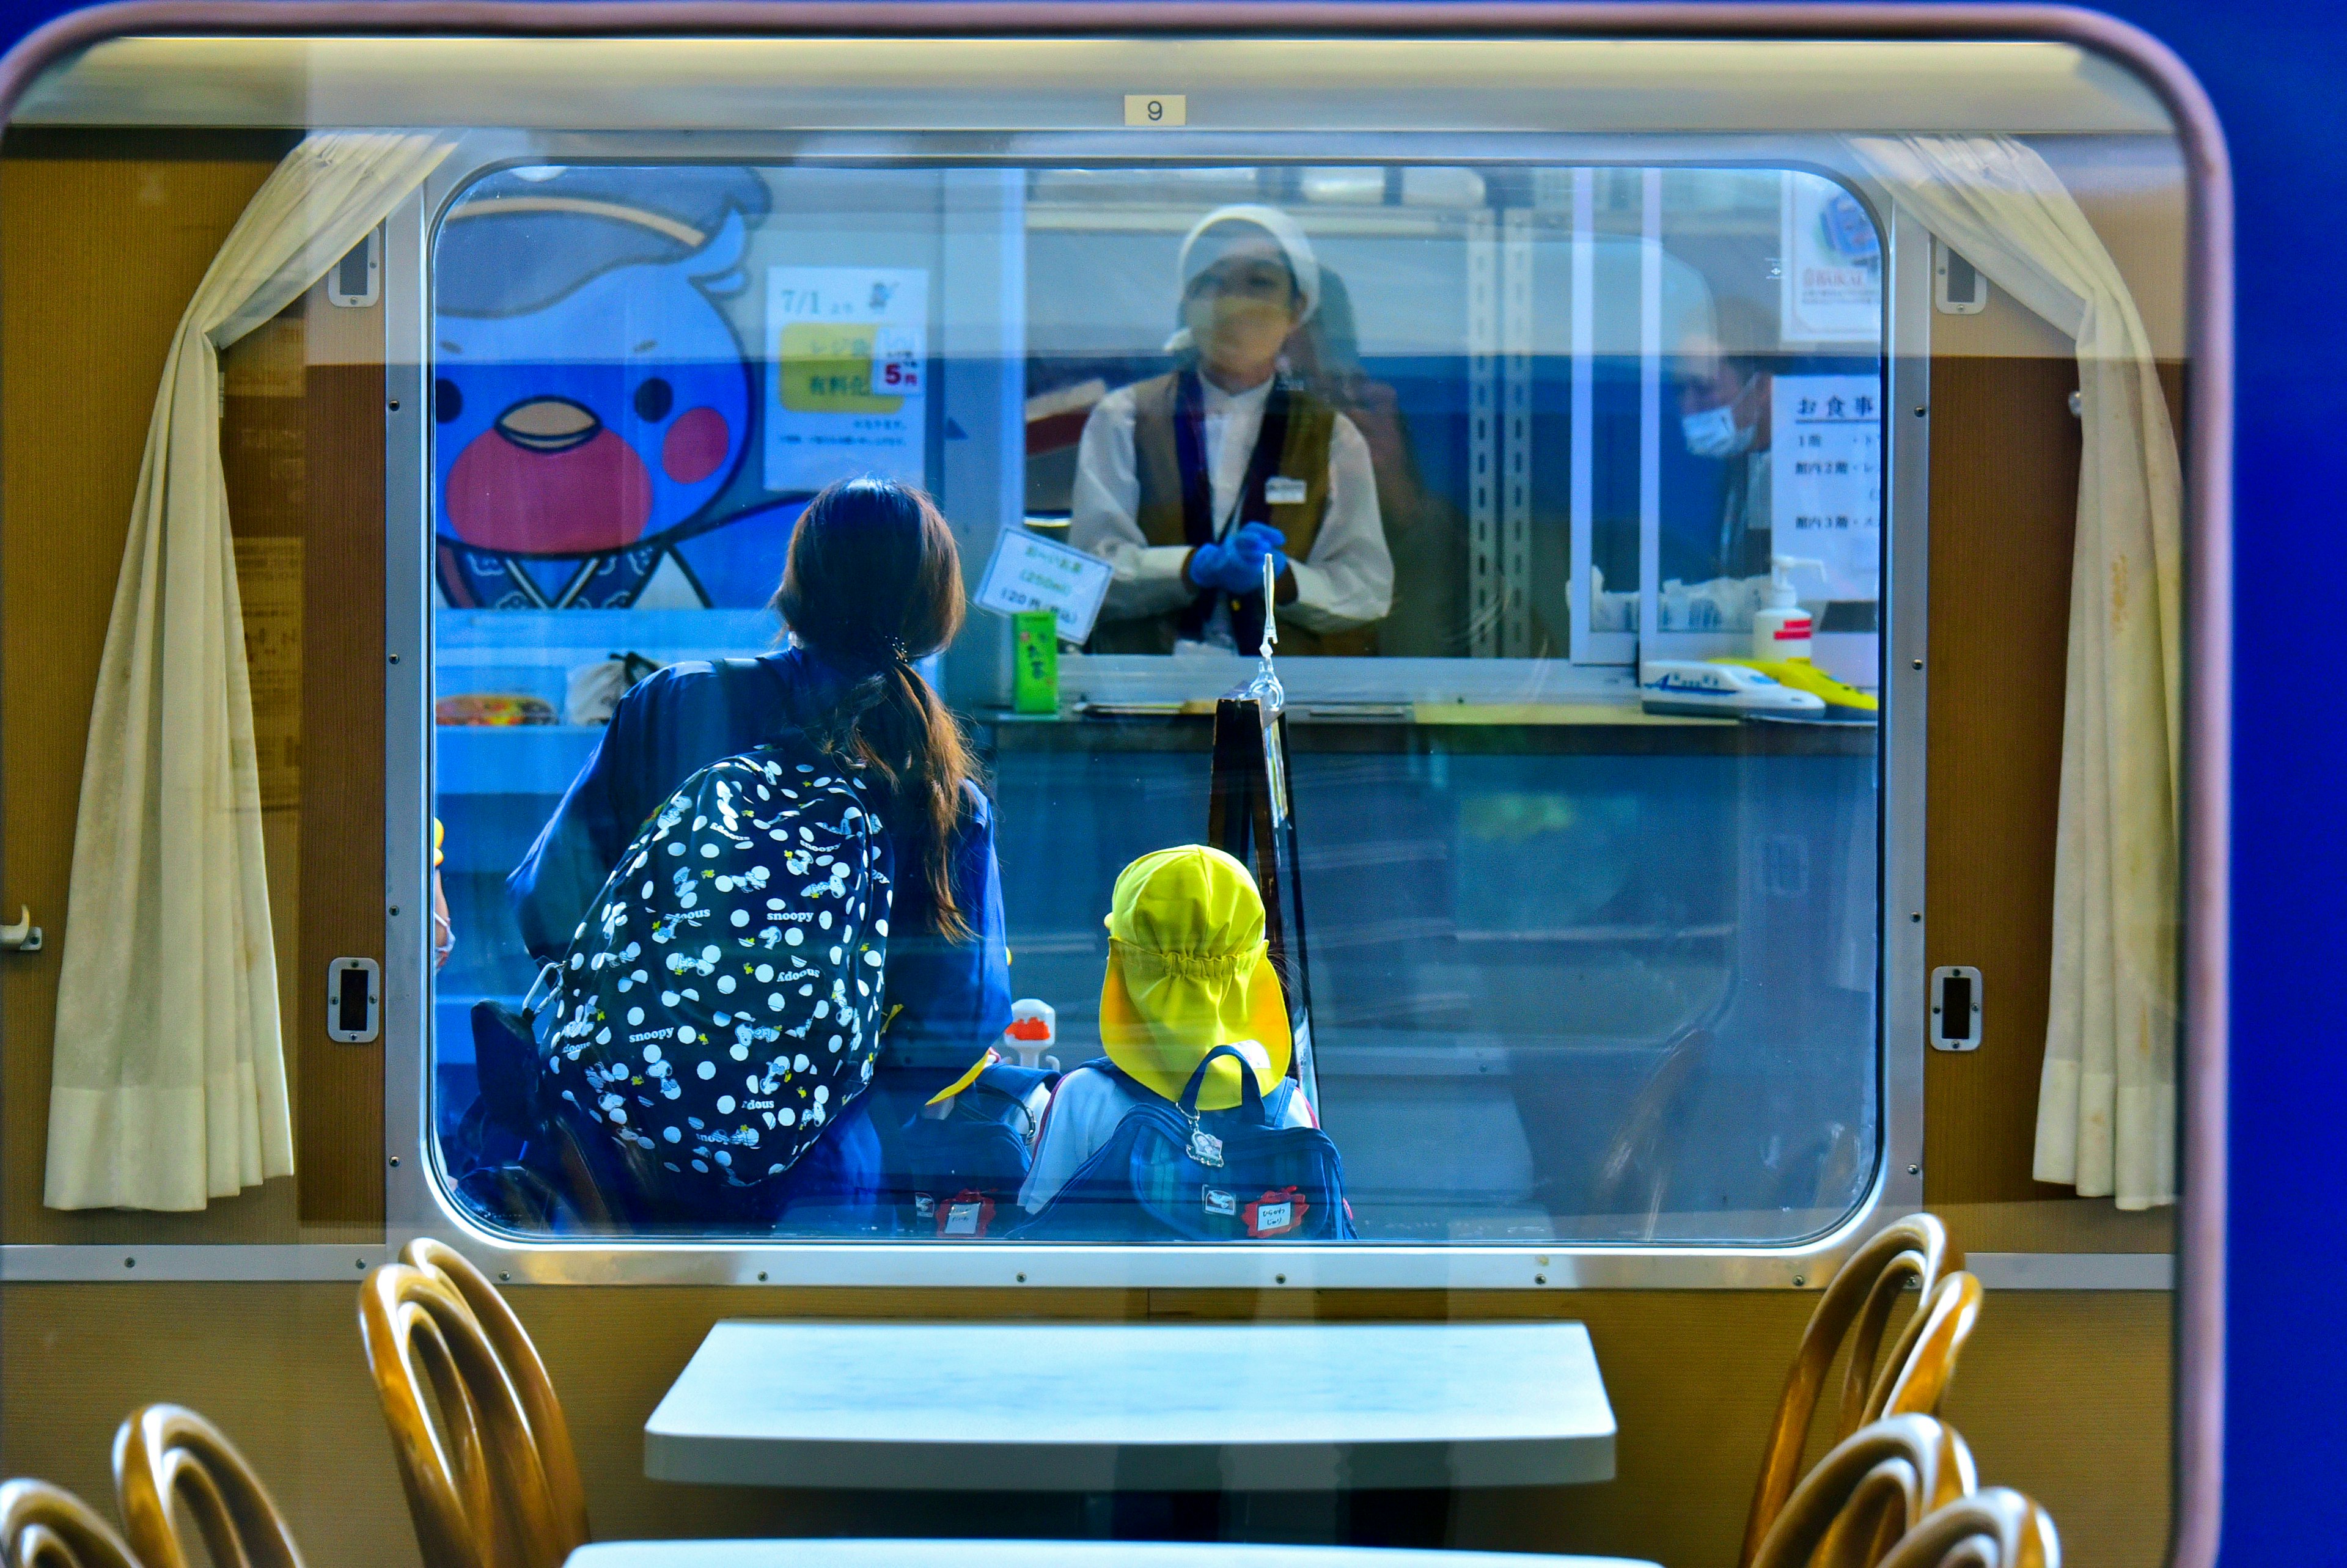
1085, 1108
1347, 581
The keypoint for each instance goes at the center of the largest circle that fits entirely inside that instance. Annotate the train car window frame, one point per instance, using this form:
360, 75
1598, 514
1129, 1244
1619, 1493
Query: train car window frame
413, 1202
1896, 1186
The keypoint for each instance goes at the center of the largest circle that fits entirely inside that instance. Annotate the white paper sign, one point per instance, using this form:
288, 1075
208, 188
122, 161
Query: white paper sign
1825, 472
847, 352
1030, 572
1832, 261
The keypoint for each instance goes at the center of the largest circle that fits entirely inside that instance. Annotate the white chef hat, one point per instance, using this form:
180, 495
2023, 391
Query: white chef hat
1277, 226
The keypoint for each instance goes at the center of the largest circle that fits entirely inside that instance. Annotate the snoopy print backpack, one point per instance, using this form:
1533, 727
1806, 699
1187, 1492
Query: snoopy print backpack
720, 1004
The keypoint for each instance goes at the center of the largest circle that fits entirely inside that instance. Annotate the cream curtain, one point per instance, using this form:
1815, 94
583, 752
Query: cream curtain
2107, 1096
169, 1082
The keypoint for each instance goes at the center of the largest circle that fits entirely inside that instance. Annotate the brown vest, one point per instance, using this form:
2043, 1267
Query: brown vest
1304, 456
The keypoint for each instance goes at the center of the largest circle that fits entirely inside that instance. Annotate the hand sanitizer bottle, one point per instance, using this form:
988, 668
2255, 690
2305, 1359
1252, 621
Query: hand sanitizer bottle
1780, 626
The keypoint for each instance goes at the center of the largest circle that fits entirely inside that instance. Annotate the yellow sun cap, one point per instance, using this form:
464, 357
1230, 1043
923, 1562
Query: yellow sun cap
1187, 972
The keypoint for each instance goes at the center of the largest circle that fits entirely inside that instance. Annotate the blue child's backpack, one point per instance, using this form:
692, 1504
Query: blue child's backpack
720, 1004
958, 1177
1171, 1172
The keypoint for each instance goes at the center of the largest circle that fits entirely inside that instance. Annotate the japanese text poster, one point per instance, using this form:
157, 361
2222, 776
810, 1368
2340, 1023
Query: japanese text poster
1826, 479
849, 349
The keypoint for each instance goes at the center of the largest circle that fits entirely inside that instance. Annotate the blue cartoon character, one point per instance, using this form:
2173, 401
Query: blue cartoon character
592, 400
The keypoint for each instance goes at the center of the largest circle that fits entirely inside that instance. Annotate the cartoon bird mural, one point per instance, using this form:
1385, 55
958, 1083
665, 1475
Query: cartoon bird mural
592, 401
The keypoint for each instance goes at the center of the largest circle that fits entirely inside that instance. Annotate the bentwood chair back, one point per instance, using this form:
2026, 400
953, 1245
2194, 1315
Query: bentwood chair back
477, 1482
1874, 1487
167, 1454
1635, 1178
1998, 1528
44, 1526
1862, 1294
523, 1367
1917, 1372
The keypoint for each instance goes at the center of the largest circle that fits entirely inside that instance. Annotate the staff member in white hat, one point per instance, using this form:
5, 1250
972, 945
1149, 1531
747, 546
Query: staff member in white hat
1186, 483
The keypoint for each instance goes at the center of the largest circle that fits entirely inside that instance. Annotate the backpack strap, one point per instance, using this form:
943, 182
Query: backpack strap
1250, 1092
1273, 1105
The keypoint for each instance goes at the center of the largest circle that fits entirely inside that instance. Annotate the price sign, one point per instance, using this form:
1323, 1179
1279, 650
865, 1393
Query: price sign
1030, 572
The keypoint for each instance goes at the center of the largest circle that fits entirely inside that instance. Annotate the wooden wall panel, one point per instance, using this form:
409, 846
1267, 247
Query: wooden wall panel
83, 335
2065, 1395
2004, 487
2004, 497
339, 1136
82, 342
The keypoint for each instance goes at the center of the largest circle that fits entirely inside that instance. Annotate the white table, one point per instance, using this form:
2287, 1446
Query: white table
794, 1553
1162, 1407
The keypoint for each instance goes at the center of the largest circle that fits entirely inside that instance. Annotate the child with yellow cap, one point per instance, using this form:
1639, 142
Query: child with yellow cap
1190, 1000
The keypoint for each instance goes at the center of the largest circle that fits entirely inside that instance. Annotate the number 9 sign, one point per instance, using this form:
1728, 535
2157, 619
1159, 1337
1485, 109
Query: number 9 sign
1156, 110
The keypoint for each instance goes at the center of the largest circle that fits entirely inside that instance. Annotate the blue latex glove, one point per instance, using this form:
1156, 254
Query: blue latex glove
1211, 566
1251, 544
1235, 565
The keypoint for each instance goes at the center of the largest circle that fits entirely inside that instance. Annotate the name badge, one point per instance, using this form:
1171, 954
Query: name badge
1273, 1218
961, 1219
1204, 1147
1280, 491
1219, 1202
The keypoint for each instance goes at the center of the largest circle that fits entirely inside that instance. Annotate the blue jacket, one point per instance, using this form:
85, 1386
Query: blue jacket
954, 997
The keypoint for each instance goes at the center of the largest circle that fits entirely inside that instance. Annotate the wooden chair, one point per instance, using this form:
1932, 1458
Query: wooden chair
1921, 1363
1861, 1295
488, 1486
522, 1365
1998, 1528
166, 1454
1635, 1177
1875, 1487
44, 1526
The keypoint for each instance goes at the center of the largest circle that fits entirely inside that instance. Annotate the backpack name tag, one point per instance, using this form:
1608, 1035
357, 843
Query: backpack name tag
1219, 1202
1275, 1214
1281, 491
961, 1219
1204, 1147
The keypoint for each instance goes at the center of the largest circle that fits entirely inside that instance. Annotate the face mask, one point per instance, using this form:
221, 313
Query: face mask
1714, 433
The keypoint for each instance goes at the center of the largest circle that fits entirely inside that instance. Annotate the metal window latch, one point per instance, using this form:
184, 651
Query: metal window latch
24, 937
1955, 1007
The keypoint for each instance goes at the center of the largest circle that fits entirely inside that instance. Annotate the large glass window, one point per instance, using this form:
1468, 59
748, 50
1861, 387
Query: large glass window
1572, 483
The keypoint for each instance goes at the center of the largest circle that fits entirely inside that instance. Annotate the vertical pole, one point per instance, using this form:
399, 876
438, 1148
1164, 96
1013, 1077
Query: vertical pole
980, 381
1583, 449
1516, 434
1650, 412
1484, 587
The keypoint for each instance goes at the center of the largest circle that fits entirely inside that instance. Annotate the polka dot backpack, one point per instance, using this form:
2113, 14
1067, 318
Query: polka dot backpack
720, 1004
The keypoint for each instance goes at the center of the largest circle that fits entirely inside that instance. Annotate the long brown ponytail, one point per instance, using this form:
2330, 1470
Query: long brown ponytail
872, 581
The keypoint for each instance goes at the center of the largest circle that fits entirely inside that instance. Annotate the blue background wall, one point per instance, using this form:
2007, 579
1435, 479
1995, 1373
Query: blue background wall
2277, 70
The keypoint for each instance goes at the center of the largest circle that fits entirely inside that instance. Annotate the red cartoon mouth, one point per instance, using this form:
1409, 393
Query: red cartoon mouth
594, 495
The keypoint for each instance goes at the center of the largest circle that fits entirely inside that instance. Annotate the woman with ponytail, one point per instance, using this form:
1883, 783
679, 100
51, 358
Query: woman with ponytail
872, 583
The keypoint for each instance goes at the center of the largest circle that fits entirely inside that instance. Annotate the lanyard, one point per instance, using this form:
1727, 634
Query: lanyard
1198, 496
